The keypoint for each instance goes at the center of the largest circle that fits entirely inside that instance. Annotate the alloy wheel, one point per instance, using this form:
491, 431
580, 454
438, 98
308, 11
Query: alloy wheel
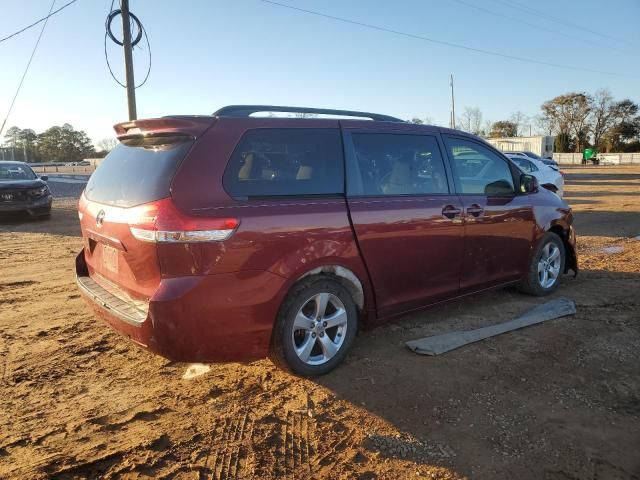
549, 265
319, 329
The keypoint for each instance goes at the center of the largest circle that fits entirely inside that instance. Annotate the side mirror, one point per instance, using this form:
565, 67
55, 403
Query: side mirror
44, 177
528, 183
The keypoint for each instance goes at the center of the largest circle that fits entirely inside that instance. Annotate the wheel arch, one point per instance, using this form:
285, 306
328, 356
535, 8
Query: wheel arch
564, 232
345, 276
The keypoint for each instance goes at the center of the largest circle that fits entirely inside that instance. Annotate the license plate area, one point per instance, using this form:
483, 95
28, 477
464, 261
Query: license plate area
110, 258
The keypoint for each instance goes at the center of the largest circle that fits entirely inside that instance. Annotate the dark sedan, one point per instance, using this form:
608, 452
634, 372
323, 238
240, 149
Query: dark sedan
21, 190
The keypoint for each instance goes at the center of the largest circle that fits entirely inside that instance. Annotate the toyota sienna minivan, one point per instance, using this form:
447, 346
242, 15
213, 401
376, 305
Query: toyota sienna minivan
233, 237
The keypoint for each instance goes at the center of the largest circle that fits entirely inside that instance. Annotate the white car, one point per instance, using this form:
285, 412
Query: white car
549, 177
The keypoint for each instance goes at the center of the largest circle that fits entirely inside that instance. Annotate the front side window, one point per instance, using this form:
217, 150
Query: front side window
286, 161
397, 164
479, 170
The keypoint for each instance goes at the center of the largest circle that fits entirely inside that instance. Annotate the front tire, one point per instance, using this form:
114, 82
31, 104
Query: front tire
316, 326
547, 264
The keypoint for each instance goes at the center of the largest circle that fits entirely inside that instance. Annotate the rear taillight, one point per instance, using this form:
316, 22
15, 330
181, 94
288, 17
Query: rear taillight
561, 172
161, 221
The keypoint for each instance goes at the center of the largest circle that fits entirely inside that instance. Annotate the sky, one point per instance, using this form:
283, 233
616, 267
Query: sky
207, 54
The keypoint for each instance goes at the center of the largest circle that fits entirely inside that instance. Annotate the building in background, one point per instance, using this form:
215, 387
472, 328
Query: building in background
541, 144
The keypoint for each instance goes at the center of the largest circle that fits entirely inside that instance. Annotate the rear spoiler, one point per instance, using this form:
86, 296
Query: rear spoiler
191, 126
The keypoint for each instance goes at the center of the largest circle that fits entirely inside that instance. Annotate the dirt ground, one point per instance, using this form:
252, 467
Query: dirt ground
557, 401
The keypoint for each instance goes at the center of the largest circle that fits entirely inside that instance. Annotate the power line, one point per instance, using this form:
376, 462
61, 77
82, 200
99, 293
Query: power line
532, 11
538, 27
43, 19
439, 42
46, 19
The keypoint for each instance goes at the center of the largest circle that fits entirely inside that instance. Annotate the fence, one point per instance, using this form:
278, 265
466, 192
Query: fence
63, 169
605, 158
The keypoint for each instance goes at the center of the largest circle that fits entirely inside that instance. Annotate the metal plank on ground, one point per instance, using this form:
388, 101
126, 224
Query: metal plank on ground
438, 344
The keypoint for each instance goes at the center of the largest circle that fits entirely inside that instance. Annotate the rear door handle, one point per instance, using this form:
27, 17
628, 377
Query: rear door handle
451, 211
475, 210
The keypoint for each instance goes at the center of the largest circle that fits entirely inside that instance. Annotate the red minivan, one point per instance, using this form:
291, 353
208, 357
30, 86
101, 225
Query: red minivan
232, 237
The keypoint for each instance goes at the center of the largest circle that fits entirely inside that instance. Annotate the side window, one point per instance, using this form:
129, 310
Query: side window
478, 169
397, 164
525, 165
286, 161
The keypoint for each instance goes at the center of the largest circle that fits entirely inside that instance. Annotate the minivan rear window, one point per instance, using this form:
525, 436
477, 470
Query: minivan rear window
137, 171
286, 161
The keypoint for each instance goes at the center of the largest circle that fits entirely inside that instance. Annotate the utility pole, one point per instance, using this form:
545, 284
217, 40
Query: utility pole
453, 106
128, 59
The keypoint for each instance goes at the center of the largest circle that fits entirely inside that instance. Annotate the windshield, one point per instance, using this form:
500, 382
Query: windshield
16, 171
520, 162
532, 155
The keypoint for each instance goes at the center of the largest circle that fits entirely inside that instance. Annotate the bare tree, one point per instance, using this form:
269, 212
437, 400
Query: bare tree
544, 125
471, 120
603, 115
521, 121
570, 113
107, 144
486, 128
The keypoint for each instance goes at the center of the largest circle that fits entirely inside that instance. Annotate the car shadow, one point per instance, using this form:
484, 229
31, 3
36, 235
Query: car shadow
606, 223
597, 177
602, 193
493, 406
63, 221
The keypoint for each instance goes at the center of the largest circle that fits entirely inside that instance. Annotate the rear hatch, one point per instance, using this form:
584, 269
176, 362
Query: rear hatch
119, 208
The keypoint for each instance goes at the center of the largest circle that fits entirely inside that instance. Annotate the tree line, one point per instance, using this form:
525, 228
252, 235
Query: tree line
56, 144
577, 120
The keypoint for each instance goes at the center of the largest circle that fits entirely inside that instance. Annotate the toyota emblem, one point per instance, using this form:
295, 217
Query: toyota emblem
100, 218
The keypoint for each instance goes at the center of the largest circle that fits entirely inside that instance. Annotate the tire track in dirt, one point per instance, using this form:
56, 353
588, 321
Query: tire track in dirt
298, 451
232, 443
16, 285
5, 362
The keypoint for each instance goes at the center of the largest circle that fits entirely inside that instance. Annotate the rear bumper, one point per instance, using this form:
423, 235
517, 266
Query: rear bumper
40, 206
209, 318
110, 299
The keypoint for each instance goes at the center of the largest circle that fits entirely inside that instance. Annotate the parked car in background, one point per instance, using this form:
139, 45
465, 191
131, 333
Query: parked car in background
21, 190
526, 154
233, 237
548, 177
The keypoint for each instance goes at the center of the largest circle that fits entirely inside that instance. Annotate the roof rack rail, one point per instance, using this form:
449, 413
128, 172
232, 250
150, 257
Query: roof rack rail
247, 110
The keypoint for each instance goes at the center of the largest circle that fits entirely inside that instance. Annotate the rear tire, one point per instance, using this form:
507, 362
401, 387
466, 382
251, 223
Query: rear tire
316, 326
546, 267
